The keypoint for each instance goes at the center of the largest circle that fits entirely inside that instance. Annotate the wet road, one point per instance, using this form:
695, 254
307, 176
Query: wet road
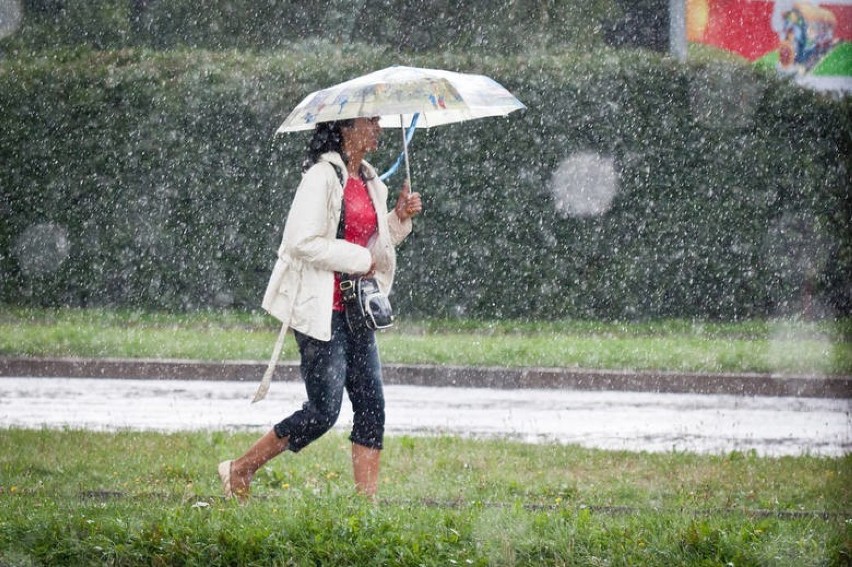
631, 421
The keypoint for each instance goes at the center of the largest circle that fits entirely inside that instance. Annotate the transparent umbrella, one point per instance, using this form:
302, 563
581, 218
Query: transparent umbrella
405, 96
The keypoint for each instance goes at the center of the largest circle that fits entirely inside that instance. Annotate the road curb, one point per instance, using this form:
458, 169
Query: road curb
839, 387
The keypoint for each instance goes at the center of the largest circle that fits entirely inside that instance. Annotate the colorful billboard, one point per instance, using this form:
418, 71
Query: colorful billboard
807, 39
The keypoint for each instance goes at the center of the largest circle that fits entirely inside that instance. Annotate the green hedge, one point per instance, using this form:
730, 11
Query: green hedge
153, 179
485, 26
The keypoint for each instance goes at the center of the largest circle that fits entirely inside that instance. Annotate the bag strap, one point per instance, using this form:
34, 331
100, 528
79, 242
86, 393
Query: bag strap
340, 225
263, 387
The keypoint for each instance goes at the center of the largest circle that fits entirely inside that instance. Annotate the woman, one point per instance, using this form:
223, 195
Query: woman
304, 293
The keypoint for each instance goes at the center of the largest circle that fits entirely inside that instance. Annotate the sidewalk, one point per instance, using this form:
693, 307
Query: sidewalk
837, 387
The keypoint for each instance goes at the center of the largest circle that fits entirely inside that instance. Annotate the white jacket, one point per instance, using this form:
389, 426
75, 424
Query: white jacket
300, 290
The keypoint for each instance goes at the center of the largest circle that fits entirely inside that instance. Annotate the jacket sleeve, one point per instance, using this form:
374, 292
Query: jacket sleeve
399, 229
311, 230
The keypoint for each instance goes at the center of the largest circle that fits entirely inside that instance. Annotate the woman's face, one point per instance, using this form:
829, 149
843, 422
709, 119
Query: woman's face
363, 135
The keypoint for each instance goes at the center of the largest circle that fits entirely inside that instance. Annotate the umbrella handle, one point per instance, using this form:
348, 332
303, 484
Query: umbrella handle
405, 150
392, 169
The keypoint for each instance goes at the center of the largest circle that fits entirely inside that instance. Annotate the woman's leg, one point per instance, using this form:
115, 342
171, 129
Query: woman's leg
364, 386
243, 469
323, 368
365, 465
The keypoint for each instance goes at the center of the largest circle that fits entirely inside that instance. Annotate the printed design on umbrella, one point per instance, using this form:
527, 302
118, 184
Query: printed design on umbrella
436, 91
437, 102
435, 94
318, 104
341, 100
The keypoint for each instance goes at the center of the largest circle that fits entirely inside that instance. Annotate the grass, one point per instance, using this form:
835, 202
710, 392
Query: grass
779, 346
131, 498
144, 498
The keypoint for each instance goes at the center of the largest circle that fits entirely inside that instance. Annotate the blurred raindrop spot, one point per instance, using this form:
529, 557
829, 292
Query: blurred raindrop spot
584, 185
722, 99
42, 248
223, 299
10, 17
796, 253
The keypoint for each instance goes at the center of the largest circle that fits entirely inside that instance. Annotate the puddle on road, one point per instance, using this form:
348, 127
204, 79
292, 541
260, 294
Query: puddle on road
606, 420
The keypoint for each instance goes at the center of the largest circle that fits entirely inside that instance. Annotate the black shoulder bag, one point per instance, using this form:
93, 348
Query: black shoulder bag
364, 304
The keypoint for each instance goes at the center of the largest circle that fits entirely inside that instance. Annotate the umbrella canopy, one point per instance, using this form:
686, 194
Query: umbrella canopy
398, 93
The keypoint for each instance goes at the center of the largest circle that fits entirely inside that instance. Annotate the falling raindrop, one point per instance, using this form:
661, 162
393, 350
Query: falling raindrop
584, 185
42, 248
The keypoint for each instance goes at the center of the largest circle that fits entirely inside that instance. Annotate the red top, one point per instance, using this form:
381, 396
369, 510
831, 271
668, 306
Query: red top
359, 225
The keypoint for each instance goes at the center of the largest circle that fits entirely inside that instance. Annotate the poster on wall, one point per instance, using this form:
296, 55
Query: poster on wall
808, 40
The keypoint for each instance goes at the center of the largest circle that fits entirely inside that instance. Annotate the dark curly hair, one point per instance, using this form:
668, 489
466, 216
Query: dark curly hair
327, 138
